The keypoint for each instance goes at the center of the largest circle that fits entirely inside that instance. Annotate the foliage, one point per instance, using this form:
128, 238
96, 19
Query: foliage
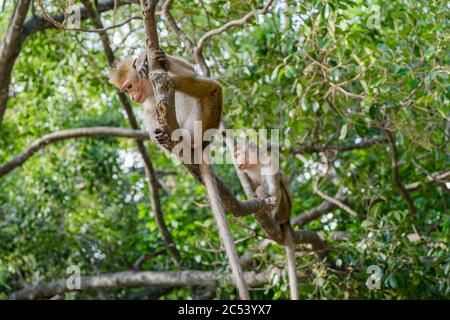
318, 70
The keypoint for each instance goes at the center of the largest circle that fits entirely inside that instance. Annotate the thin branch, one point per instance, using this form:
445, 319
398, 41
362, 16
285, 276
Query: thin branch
317, 212
332, 200
39, 23
397, 179
69, 134
131, 279
366, 143
325, 207
145, 257
105, 28
184, 38
231, 24
435, 177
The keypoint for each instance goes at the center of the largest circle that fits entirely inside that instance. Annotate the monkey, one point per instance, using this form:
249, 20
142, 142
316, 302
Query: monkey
196, 99
269, 182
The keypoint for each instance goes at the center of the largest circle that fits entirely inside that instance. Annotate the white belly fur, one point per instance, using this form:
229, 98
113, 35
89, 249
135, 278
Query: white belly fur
187, 110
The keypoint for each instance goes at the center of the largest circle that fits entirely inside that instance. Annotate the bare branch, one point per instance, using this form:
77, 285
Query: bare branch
145, 257
231, 24
184, 38
325, 207
105, 28
332, 200
69, 134
435, 177
396, 176
366, 143
318, 211
130, 279
38, 23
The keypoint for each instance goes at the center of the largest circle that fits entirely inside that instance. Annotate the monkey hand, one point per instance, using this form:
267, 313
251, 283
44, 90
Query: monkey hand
162, 58
141, 66
160, 136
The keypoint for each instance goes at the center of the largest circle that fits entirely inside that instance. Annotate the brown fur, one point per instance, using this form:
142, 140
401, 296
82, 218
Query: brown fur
119, 73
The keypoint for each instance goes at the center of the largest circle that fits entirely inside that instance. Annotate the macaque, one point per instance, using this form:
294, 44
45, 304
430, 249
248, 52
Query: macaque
196, 99
270, 183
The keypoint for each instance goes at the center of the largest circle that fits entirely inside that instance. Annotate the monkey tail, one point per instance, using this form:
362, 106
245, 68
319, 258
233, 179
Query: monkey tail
224, 231
290, 253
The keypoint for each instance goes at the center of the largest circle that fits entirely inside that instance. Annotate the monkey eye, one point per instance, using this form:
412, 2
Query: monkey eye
130, 86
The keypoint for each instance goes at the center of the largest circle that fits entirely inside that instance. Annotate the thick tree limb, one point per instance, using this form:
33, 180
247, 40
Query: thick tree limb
9, 51
69, 134
130, 279
163, 86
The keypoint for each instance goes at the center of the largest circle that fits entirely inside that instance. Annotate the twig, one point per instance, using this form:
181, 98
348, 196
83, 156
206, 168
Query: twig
366, 143
145, 257
397, 179
328, 198
229, 25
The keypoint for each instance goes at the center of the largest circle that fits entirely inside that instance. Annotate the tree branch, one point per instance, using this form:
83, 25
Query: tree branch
229, 25
332, 200
317, 212
397, 179
18, 31
436, 177
367, 143
130, 279
69, 134
10, 49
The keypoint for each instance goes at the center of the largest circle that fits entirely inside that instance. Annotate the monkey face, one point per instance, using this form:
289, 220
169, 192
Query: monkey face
138, 90
243, 159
